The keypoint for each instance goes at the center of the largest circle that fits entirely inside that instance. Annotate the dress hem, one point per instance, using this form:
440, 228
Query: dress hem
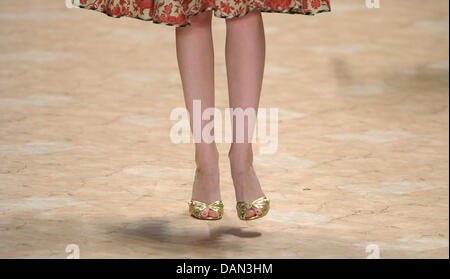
262, 9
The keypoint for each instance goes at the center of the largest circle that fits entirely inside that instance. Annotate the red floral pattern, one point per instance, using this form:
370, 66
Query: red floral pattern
177, 12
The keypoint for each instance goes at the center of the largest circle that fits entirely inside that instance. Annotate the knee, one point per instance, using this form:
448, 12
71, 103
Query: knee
248, 20
202, 19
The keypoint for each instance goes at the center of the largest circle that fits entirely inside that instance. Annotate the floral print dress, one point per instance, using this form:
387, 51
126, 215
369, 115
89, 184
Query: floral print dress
178, 12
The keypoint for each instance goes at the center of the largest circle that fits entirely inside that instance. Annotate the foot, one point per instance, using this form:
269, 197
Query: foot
206, 188
246, 183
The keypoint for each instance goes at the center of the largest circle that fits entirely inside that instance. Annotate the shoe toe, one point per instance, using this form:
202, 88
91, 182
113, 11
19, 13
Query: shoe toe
212, 213
258, 212
205, 213
250, 213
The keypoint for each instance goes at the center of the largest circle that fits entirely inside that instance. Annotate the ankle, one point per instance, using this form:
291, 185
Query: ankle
207, 170
207, 159
240, 160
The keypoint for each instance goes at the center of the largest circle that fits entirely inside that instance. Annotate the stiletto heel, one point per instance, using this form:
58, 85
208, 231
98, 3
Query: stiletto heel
197, 207
262, 204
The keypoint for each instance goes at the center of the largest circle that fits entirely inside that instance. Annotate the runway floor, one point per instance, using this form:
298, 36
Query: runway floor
363, 153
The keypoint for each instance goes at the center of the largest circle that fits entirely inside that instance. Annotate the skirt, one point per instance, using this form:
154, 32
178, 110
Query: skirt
177, 12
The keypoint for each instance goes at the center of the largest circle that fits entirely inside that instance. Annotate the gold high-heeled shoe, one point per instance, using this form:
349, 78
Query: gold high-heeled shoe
262, 204
197, 207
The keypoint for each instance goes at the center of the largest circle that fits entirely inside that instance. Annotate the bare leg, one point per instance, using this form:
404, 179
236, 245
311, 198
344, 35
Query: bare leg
245, 58
195, 55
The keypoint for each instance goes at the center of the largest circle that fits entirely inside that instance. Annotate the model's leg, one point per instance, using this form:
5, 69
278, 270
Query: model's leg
245, 57
196, 63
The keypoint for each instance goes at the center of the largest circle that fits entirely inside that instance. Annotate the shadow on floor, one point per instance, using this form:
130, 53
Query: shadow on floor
170, 234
